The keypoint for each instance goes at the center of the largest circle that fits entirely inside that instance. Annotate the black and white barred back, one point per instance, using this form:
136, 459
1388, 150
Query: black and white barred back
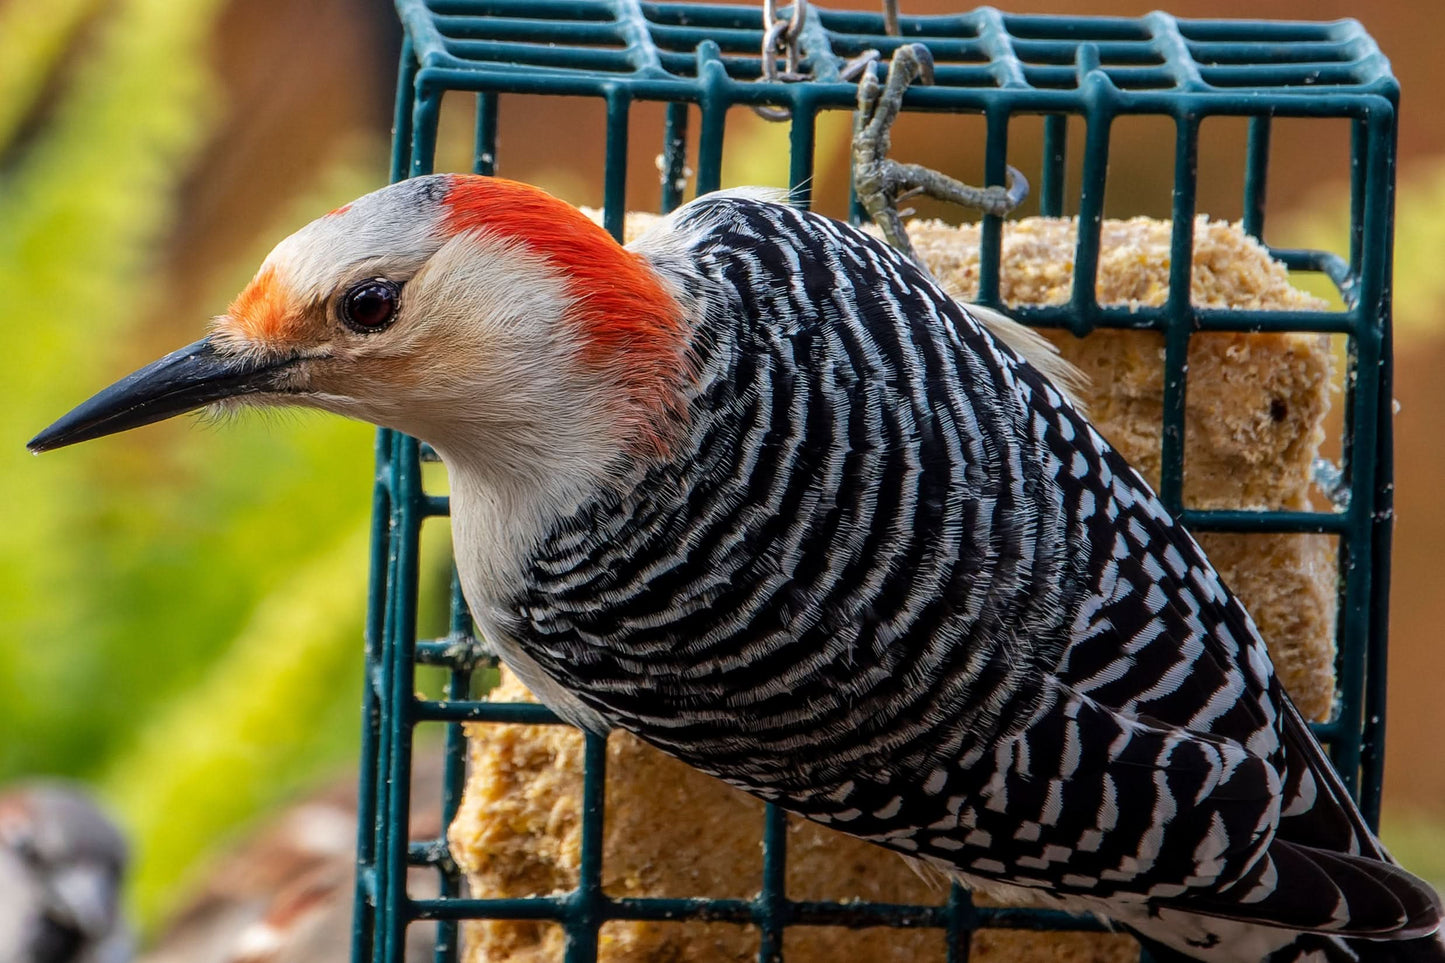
894, 581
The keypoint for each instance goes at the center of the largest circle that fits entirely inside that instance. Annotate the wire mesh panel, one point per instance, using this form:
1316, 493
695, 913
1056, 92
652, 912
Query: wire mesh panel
700, 60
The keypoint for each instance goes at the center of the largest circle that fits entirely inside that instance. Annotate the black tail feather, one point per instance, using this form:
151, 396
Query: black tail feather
1311, 947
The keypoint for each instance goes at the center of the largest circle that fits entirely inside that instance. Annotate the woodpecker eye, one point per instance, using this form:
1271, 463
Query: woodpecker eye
370, 305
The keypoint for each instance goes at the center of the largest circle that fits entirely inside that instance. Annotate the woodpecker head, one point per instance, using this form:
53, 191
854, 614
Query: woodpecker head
484, 316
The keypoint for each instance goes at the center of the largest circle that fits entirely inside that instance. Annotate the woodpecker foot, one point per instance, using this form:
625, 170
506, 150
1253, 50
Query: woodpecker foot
881, 183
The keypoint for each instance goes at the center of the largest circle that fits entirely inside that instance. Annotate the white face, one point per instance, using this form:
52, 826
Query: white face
294, 303
481, 315
472, 349
397, 227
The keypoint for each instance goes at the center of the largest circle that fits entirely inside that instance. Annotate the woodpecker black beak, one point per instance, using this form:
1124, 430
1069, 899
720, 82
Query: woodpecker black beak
182, 381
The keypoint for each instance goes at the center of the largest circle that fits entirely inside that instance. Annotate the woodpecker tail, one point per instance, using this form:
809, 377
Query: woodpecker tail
1184, 938
1317, 948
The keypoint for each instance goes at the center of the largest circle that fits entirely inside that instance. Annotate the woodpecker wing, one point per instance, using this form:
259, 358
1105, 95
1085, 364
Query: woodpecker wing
895, 582
1165, 641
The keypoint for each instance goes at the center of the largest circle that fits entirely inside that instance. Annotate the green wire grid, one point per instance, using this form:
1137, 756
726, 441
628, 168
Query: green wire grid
701, 60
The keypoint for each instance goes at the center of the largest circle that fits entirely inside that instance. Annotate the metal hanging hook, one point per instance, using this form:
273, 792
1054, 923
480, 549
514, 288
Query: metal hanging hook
780, 39
777, 34
891, 26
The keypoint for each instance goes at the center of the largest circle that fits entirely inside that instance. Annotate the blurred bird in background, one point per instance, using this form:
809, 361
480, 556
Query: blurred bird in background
62, 863
281, 893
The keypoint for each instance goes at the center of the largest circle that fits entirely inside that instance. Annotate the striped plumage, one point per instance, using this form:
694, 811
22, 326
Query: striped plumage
755, 489
897, 583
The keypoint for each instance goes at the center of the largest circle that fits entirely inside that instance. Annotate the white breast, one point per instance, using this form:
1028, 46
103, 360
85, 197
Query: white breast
490, 541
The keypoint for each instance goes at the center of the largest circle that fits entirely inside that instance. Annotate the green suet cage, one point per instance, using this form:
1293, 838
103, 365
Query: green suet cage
699, 60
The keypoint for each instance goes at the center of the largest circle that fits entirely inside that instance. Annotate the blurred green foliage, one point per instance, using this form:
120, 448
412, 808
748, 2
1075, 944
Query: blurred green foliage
180, 612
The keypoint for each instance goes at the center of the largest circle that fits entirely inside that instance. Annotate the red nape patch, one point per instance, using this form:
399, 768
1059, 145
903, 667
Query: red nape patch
340, 210
628, 318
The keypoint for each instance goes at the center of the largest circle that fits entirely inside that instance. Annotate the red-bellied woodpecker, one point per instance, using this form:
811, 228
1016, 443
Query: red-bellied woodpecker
757, 490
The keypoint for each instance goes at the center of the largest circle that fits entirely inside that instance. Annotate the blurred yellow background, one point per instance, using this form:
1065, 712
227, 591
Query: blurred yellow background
180, 608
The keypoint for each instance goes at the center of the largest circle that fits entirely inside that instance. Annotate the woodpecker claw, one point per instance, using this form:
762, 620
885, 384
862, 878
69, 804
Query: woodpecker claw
923, 62
882, 183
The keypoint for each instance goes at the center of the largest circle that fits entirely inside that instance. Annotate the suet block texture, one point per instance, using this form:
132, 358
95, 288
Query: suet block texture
672, 831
